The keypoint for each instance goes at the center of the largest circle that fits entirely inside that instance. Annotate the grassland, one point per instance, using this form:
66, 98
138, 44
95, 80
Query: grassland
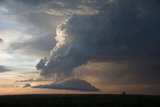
79, 101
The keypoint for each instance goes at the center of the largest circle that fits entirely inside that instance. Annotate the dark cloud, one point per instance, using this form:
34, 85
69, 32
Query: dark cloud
2, 1
123, 30
27, 85
31, 2
119, 73
4, 69
56, 7
1, 40
39, 46
41, 63
28, 80
71, 84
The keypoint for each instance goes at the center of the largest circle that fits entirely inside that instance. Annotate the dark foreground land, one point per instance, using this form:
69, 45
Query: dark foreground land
79, 101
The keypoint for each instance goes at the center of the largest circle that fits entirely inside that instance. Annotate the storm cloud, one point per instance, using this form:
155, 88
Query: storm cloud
122, 30
120, 36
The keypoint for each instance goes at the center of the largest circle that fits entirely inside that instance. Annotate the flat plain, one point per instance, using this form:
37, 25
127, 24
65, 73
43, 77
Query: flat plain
79, 100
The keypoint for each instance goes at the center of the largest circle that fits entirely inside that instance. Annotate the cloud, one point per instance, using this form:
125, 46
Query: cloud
118, 73
30, 2
39, 46
61, 50
38, 18
28, 80
41, 63
27, 85
122, 31
37, 25
38, 79
61, 7
1, 40
4, 69
71, 84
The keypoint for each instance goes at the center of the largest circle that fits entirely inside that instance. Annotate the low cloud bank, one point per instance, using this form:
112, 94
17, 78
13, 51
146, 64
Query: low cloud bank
70, 84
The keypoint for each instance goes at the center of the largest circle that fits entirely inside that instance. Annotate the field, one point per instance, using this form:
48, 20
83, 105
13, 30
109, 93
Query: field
79, 101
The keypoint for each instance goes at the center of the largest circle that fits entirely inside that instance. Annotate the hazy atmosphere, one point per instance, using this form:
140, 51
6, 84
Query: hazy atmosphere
79, 46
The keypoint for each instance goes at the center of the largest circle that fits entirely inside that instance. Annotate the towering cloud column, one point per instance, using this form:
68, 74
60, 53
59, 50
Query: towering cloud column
123, 30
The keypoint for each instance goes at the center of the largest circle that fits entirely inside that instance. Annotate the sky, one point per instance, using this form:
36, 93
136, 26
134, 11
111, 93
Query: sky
79, 46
